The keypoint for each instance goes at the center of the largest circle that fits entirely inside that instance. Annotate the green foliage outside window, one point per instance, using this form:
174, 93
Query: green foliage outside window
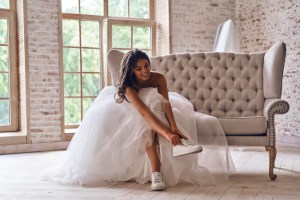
3, 31
4, 4
4, 70
4, 110
81, 62
72, 110
139, 9
82, 50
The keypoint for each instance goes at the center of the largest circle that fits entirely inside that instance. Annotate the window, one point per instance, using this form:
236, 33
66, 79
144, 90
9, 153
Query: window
8, 72
89, 29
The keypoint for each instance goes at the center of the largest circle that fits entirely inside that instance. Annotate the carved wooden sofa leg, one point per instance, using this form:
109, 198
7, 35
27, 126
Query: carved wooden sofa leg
272, 157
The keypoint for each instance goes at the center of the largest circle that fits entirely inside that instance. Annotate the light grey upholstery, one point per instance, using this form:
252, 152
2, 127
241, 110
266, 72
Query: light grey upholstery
242, 90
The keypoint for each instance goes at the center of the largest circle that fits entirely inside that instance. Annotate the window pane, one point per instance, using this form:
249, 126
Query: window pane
86, 102
72, 111
4, 58
71, 60
72, 84
90, 34
3, 31
91, 7
121, 36
69, 6
70, 33
91, 84
4, 110
141, 37
90, 60
4, 85
148, 52
139, 9
118, 8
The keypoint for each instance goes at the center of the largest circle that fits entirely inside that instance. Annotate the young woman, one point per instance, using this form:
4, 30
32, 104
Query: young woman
135, 132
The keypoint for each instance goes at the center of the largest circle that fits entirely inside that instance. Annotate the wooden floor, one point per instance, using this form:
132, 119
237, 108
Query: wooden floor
20, 179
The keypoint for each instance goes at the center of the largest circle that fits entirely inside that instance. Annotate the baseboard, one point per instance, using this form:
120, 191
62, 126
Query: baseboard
27, 148
288, 140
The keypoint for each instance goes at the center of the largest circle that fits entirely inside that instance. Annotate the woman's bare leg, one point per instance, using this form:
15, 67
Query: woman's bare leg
153, 156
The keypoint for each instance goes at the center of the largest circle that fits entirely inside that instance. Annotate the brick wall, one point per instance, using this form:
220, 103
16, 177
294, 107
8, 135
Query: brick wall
194, 23
44, 75
260, 23
263, 23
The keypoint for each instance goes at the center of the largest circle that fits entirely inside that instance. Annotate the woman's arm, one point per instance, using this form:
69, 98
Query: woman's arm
163, 90
153, 121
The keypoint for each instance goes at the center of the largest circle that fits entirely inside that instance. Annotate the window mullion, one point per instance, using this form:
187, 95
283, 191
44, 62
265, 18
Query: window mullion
80, 69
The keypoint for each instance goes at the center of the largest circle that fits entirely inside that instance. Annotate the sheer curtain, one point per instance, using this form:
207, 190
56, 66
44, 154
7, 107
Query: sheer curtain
227, 39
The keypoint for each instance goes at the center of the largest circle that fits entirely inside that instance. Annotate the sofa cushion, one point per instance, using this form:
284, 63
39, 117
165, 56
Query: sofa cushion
244, 125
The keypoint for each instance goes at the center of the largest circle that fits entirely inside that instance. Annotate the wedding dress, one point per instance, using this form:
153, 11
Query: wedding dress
110, 144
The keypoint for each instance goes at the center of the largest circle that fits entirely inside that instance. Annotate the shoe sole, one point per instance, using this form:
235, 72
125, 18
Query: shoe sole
183, 152
158, 188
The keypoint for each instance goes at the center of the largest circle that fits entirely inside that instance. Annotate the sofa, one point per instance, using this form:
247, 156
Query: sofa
243, 91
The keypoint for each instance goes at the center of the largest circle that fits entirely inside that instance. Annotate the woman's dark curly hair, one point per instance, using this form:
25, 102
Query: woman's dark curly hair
126, 76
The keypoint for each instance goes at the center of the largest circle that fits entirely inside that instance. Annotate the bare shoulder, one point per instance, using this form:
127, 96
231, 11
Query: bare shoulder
130, 91
158, 78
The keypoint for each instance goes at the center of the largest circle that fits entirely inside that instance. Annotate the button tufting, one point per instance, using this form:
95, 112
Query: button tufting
233, 78
218, 78
211, 68
248, 78
226, 68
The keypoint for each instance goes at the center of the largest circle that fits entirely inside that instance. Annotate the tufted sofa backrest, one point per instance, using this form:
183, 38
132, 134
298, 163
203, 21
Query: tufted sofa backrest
224, 85
218, 84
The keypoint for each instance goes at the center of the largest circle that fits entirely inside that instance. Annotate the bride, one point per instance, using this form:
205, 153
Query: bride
137, 131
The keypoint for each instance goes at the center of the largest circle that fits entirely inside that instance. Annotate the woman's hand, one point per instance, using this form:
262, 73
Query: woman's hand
173, 138
175, 130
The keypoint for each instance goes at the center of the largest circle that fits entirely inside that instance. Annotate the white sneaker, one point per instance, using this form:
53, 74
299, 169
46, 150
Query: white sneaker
157, 182
186, 148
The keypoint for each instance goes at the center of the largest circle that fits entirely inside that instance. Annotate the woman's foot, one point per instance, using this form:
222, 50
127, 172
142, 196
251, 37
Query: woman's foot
157, 182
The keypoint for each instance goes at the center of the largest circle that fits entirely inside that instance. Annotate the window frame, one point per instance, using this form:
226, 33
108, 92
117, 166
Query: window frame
82, 18
10, 15
106, 22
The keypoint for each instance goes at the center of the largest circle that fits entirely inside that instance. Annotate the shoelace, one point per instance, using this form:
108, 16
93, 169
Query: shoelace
186, 142
157, 178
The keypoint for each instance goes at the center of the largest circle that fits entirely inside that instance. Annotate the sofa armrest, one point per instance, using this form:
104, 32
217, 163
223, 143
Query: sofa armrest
271, 108
275, 106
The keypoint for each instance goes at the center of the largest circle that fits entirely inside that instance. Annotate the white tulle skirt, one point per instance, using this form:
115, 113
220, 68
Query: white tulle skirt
110, 144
